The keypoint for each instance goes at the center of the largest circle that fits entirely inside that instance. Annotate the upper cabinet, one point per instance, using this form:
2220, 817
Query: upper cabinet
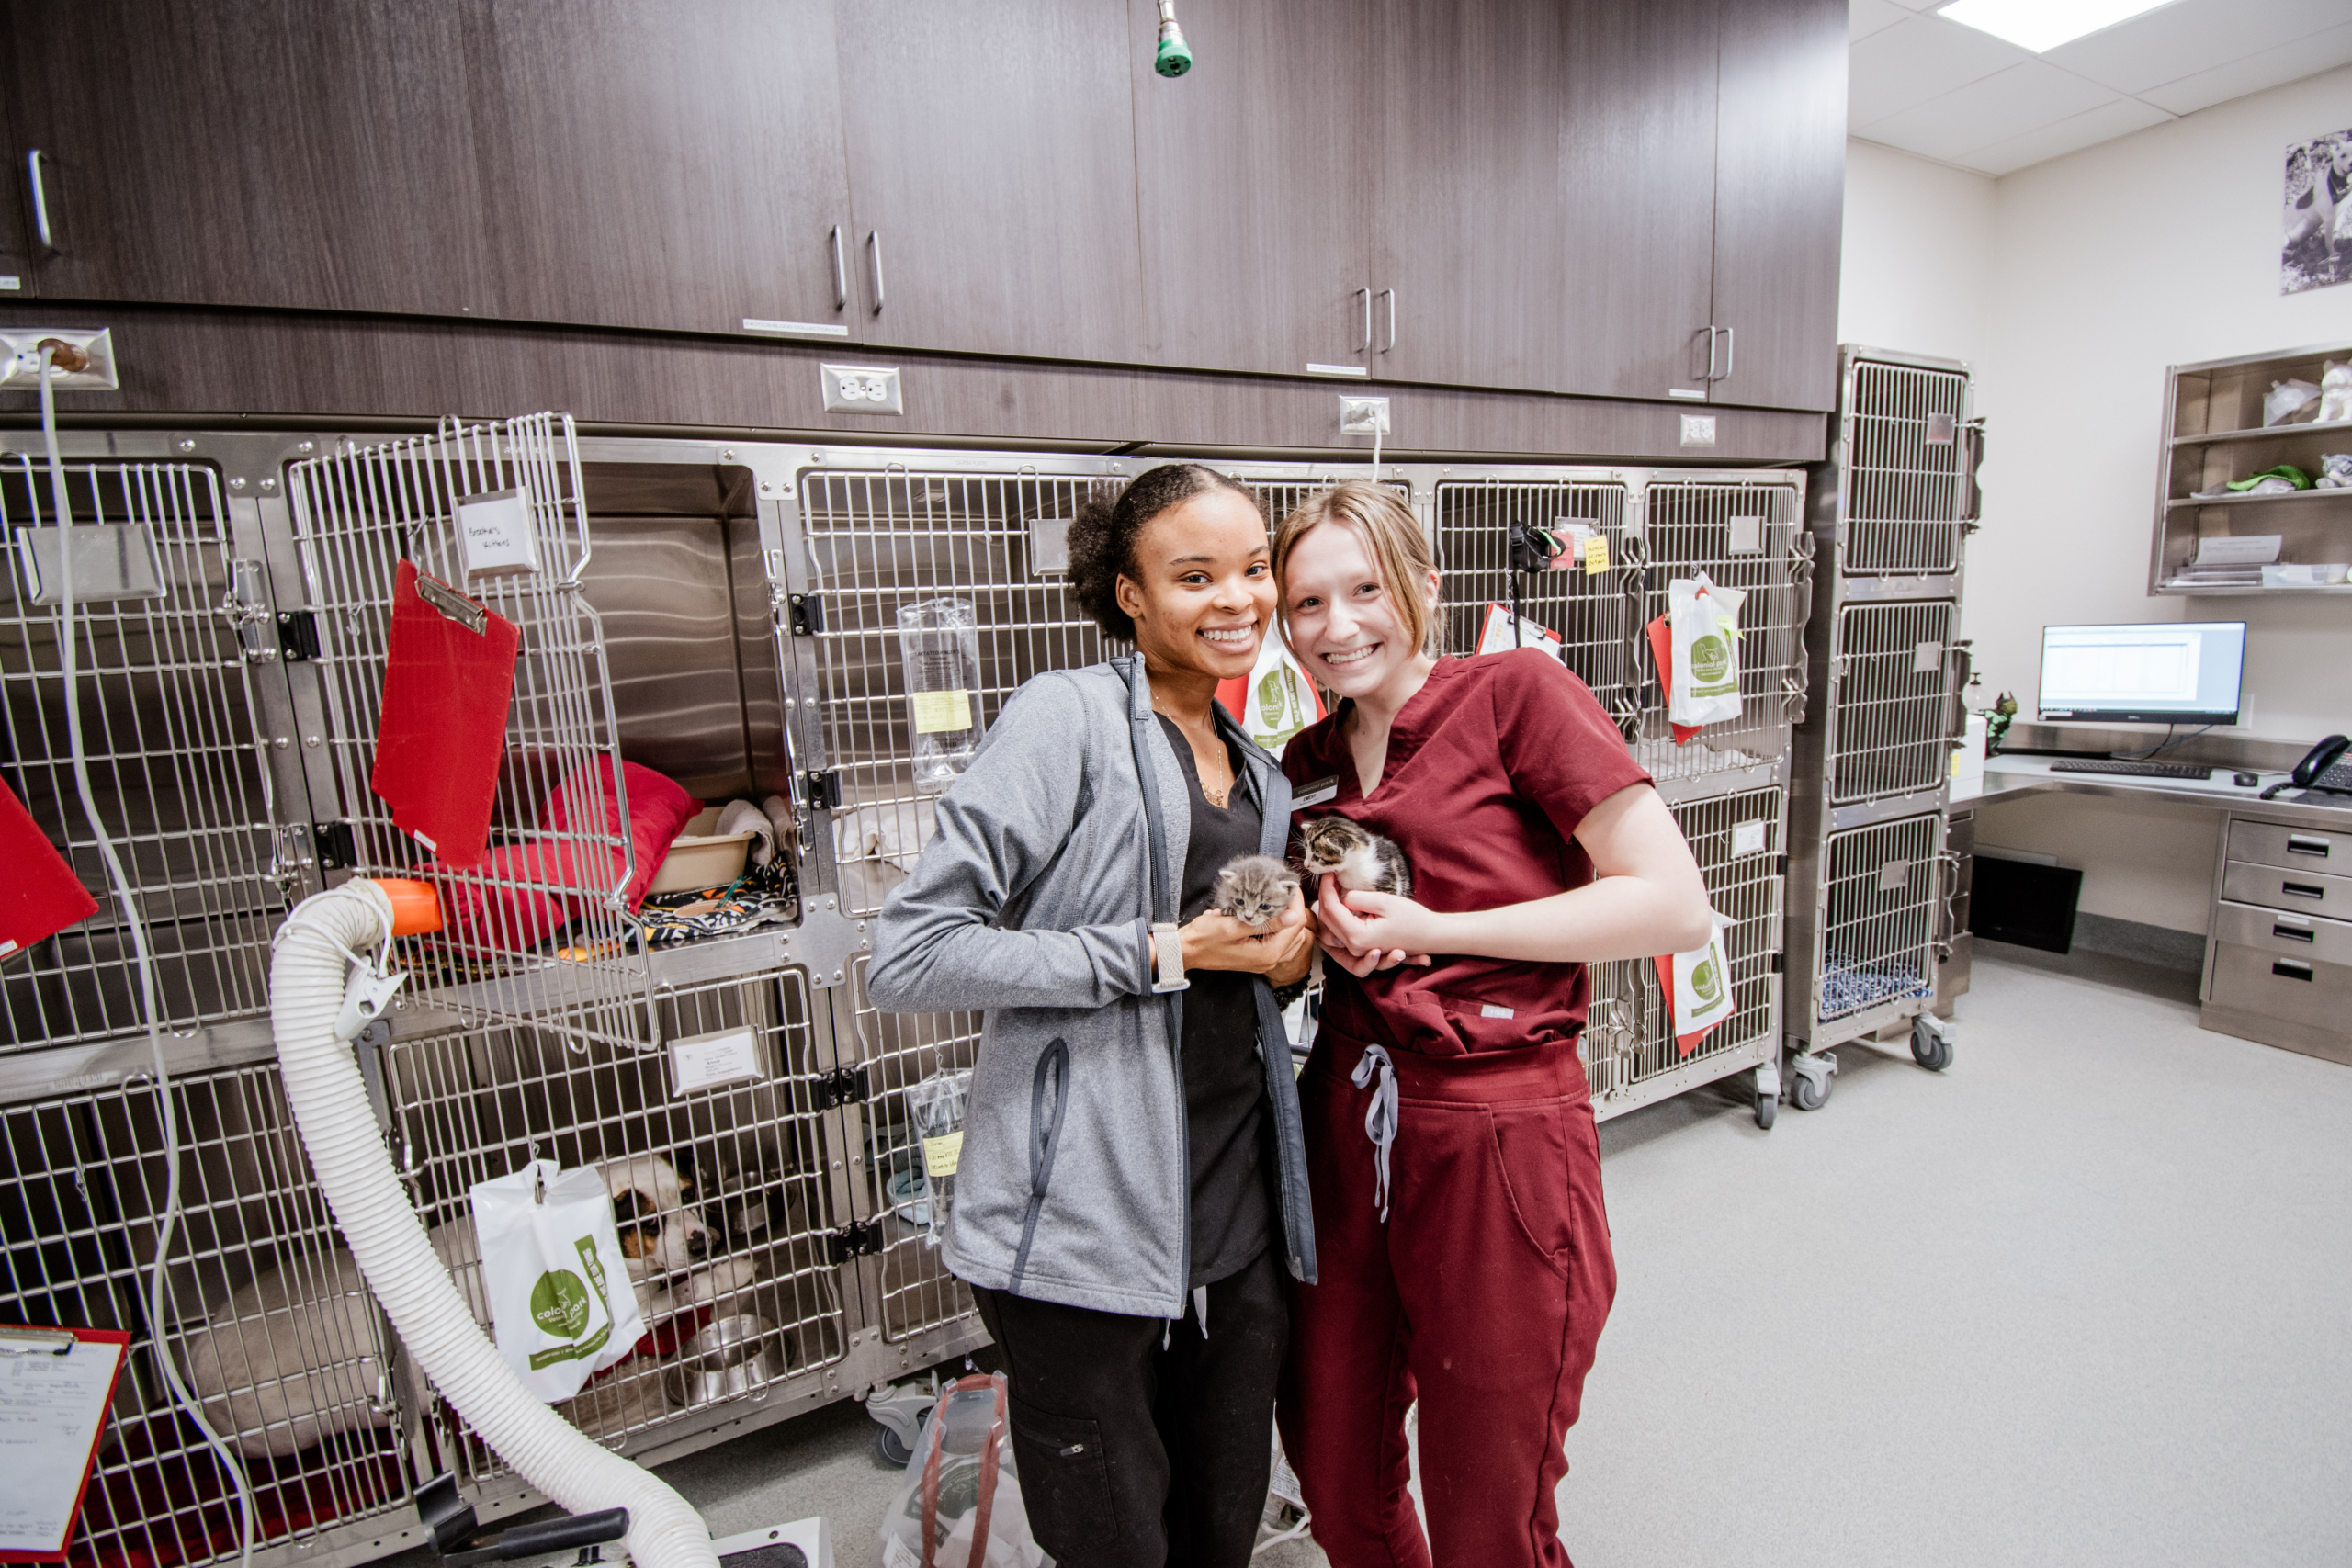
675, 166
1633, 199
1254, 187
992, 176
1779, 200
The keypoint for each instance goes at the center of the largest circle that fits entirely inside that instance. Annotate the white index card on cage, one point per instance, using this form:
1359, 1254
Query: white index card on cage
1926, 657
1747, 839
1746, 535
494, 536
701, 1061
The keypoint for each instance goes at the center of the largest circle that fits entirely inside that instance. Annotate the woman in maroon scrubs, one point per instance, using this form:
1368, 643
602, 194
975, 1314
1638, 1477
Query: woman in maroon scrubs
1456, 1178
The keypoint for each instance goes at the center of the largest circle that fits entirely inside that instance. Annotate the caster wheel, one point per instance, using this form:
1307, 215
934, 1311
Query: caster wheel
1930, 1050
1808, 1093
1767, 1107
889, 1449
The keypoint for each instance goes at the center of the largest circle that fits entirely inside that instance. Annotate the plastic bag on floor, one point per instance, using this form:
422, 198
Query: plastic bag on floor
961, 1505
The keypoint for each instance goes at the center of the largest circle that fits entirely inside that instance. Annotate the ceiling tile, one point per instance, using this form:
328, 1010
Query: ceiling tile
2120, 116
2003, 106
2193, 36
1867, 17
1918, 59
2269, 68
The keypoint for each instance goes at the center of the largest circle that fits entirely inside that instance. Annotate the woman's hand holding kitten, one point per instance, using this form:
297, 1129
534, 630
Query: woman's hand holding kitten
1365, 931
1280, 950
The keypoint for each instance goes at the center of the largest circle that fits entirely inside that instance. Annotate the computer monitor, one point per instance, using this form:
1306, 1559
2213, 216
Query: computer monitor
2170, 673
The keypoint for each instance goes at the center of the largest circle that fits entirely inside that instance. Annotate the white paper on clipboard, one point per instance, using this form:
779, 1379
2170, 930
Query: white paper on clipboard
51, 1408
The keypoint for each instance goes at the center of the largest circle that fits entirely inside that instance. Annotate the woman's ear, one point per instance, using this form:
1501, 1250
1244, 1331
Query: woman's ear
1129, 594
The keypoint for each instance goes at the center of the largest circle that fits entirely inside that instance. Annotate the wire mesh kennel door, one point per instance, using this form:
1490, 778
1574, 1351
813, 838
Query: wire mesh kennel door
1745, 534
1893, 699
1907, 475
264, 1315
560, 860
172, 735
1879, 893
723, 1192
1593, 613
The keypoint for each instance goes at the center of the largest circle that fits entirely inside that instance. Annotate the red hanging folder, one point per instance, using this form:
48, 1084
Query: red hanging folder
39, 895
448, 681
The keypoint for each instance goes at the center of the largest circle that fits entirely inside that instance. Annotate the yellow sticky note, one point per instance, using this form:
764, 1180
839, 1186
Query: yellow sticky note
941, 1154
937, 712
1596, 553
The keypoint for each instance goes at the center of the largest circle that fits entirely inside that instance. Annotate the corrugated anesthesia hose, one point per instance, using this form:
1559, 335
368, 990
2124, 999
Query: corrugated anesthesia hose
347, 1148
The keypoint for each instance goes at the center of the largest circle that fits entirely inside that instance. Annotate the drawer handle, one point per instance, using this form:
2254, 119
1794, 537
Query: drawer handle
2303, 889
2292, 933
2290, 969
2304, 844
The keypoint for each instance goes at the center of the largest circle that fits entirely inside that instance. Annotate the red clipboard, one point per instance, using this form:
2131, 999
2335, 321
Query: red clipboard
448, 681
40, 895
120, 1341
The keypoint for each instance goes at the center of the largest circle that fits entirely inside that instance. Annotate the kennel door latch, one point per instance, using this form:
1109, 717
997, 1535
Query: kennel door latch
807, 615
859, 1238
842, 1087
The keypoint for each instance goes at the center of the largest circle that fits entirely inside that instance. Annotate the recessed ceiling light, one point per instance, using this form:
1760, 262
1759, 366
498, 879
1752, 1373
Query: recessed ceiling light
2040, 25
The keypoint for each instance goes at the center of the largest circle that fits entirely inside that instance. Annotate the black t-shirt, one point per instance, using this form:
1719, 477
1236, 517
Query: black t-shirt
1225, 1083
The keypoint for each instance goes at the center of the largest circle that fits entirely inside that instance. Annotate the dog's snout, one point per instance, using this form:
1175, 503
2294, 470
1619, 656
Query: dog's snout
699, 1245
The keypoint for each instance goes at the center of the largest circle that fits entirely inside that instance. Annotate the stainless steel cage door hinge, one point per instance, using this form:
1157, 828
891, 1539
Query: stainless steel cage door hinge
807, 613
823, 789
859, 1238
338, 849
842, 1086
298, 636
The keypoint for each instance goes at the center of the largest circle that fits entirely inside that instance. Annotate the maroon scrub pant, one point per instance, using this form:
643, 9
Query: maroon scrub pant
1482, 1294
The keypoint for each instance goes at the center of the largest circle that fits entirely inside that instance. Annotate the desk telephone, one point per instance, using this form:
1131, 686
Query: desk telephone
2320, 770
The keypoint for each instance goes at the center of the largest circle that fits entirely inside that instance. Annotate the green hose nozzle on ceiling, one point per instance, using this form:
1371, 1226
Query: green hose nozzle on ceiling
1175, 56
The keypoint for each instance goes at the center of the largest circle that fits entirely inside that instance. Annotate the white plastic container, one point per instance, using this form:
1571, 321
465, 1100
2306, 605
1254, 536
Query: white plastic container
699, 858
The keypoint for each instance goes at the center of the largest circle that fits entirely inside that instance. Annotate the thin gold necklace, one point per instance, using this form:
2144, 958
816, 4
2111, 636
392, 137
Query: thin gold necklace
1221, 793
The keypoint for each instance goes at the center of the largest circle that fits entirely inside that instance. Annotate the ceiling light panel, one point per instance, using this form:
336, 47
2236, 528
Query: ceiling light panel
2039, 25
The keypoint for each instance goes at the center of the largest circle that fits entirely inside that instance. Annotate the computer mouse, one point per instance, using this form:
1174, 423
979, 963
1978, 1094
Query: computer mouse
2245, 781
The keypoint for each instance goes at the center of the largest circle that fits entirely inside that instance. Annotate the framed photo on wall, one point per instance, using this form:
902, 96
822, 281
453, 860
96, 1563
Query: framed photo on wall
2317, 249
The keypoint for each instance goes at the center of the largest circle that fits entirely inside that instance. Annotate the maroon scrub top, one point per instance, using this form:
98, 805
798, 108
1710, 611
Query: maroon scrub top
1491, 766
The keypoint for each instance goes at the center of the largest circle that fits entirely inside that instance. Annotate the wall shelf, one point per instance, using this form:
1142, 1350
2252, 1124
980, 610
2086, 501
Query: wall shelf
2268, 433
2195, 501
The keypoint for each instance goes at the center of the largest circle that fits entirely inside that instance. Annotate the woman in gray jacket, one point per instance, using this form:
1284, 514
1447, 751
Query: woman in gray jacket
1132, 1162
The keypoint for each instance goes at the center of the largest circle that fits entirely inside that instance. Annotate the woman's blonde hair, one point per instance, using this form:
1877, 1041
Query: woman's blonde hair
1391, 536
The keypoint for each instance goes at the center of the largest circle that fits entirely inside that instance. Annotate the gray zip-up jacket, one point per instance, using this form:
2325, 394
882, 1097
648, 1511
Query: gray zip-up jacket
1034, 902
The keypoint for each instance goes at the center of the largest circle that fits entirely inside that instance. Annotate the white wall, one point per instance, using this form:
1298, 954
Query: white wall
2099, 269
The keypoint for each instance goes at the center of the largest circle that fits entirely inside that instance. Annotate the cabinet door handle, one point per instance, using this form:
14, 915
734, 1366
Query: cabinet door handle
2294, 933
2291, 969
1391, 295
1731, 355
2297, 844
1365, 294
874, 255
2302, 889
40, 202
1711, 329
840, 273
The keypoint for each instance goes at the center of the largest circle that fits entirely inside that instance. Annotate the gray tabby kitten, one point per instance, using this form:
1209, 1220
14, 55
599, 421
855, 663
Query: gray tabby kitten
1362, 859
1253, 889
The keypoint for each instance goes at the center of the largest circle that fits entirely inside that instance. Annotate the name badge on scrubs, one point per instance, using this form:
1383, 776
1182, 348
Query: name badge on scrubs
1315, 792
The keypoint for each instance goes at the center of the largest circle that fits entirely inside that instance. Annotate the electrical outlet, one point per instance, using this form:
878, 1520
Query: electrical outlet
1698, 430
1363, 416
23, 367
862, 388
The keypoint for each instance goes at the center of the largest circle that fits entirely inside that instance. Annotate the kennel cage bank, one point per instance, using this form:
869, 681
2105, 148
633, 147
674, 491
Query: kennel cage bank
1874, 879
1583, 556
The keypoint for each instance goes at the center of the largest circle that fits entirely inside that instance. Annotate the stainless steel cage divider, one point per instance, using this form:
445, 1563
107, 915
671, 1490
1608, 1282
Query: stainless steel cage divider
359, 511
172, 728
1871, 880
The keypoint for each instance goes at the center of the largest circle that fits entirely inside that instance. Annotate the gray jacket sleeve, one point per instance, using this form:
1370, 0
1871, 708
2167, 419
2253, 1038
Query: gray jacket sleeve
940, 944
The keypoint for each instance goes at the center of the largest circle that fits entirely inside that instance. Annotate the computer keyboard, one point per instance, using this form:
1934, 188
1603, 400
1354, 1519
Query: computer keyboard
2134, 770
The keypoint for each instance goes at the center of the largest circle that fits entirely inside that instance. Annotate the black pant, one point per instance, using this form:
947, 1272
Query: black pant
1132, 1455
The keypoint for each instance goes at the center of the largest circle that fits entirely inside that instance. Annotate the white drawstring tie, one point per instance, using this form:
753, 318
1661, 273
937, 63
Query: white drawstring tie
1380, 1117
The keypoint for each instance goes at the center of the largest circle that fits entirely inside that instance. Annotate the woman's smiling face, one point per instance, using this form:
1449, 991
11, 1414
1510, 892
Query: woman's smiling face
1343, 619
1206, 589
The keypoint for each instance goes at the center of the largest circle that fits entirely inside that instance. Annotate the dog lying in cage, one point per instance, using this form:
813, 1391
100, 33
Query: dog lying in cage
292, 1358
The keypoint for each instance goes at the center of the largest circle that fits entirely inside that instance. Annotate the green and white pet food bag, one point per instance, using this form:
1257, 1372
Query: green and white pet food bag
1706, 651
1702, 985
560, 1303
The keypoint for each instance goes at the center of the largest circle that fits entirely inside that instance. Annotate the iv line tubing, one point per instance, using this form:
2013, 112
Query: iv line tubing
168, 1221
